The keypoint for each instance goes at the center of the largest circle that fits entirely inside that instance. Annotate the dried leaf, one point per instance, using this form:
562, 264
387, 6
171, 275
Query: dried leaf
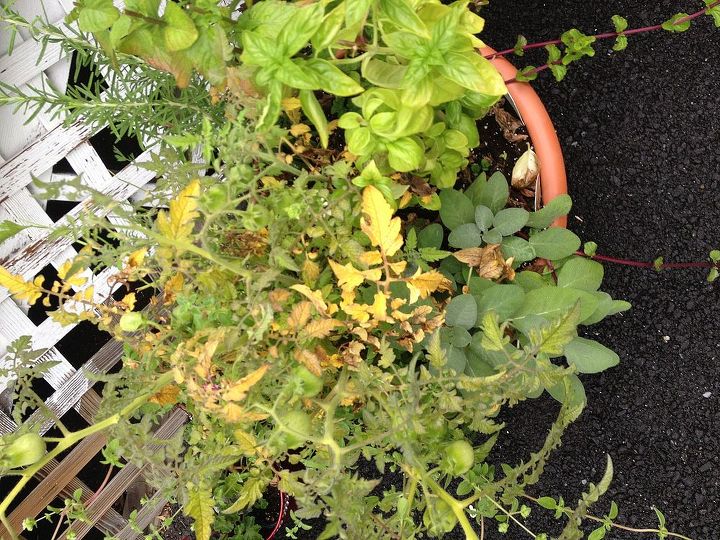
300, 315
378, 224
321, 328
177, 224
308, 359
173, 286
526, 170
487, 261
238, 390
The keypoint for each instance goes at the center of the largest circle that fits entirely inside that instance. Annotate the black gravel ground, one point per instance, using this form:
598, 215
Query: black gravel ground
640, 132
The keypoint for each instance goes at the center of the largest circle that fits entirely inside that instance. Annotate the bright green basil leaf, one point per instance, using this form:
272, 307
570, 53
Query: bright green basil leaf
383, 124
555, 243
299, 28
312, 109
179, 30
418, 95
468, 127
332, 79
465, 236
404, 154
411, 121
271, 108
149, 8
455, 139
407, 44
97, 15
210, 54
295, 74
329, 28
581, 273
360, 141
543, 218
356, 11
461, 311
350, 120
402, 14
472, 71
382, 73
456, 209
258, 50
518, 248
504, 299
589, 356
495, 193
510, 220
483, 217
431, 236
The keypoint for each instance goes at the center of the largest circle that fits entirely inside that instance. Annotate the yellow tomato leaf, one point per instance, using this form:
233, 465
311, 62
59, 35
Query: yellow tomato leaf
237, 391
177, 223
21, 289
89, 293
379, 307
173, 286
246, 441
235, 414
136, 258
314, 296
298, 129
167, 395
129, 300
371, 258
421, 285
347, 275
378, 224
200, 507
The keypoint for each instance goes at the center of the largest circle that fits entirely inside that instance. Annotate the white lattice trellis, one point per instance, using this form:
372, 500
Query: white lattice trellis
27, 151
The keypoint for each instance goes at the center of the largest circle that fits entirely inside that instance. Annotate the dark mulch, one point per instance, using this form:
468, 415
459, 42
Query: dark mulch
639, 131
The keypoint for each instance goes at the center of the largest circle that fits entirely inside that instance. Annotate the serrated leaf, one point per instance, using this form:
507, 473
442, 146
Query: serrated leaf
200, 508
321, 328
21, 289
552, 338
239, 389
411, 240
250, 492
422, 284
493, 338
179, 31
378, 222
519, 44
177, 223
620, 44
97, 15
433, 254
9, 229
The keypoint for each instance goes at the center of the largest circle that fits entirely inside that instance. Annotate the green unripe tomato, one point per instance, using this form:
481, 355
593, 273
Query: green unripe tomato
439, 518
25, 450
459, 458
299, 422
306, 383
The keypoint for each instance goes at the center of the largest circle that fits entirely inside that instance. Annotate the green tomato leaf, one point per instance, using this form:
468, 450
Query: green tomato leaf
179, 30
552, 337
465, 236
97, 15
430, 254
582, 274
510, 220
589, 356
405, 154
9, 229
456, 209
461, 311
554, 244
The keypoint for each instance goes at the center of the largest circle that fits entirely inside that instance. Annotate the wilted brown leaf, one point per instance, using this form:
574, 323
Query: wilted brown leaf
487, 261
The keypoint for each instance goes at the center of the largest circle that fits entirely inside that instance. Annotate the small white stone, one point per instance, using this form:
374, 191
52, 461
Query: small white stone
666, 338
707, 394
583, 482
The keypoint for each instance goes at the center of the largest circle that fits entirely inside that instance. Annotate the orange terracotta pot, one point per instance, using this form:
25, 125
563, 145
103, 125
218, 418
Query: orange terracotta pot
553, 180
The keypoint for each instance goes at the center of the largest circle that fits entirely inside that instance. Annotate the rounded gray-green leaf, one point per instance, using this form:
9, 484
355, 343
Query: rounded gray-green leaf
483, 217
461, 311
589, 356
581, 274
465, 236
555, 243
492, 237
510, 220
456, 209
